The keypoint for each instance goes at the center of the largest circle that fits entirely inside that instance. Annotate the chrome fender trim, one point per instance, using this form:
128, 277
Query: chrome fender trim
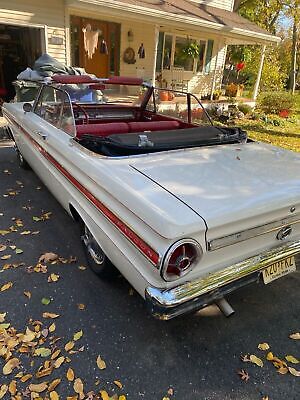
160, 300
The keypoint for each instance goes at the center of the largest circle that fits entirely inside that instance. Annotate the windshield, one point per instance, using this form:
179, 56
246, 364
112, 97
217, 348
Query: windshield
105, 94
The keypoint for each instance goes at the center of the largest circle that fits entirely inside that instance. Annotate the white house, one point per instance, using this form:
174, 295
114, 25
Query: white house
146, 38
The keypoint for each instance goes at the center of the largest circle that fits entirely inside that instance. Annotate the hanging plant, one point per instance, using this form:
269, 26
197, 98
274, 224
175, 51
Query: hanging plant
191, 50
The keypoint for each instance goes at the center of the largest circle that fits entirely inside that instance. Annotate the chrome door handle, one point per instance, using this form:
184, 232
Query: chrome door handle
44, 136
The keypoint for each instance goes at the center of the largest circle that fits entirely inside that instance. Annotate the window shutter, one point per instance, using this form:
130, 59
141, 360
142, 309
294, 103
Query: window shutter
160, 46
209, 50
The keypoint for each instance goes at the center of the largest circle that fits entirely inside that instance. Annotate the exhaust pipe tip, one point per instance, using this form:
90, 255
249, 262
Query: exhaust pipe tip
225, 307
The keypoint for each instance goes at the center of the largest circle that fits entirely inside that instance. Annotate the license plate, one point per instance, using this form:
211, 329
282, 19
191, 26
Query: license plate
279, 269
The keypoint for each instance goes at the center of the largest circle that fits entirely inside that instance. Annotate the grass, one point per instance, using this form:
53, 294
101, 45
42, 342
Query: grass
286, 135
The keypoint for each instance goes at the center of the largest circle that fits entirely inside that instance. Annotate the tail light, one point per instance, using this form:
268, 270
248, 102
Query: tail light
180, 259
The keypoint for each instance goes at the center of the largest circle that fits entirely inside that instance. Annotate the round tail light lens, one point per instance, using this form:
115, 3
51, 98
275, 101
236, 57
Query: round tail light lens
180, 259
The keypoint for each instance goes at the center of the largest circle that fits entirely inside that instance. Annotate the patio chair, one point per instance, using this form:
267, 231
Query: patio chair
178, 82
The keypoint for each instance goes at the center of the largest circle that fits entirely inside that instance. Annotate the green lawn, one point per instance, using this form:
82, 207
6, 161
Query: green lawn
286, 135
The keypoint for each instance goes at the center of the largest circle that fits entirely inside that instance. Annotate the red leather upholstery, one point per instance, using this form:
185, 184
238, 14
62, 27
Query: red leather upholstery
152, 126
102, 129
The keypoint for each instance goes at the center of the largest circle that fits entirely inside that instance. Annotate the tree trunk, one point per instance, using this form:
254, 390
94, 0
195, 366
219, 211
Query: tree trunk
294, 59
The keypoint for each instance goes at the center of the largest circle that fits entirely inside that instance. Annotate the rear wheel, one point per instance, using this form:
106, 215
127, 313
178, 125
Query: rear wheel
97, 259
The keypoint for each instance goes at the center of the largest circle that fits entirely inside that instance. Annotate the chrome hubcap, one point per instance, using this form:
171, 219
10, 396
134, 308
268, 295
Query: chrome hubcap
92, 247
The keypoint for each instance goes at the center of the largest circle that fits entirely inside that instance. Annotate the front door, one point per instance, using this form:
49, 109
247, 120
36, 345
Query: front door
105, 42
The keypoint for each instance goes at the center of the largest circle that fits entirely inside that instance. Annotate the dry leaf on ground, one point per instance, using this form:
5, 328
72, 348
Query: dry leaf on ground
293, 371
101, 363
6, 286
244, 375
295, 336
292, 359
50, 315
48, 257
263, 346
256, 360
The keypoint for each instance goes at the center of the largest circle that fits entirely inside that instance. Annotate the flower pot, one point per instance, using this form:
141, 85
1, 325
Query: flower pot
164, 96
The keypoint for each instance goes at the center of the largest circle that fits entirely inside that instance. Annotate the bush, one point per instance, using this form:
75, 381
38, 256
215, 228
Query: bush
274, 102
245, 108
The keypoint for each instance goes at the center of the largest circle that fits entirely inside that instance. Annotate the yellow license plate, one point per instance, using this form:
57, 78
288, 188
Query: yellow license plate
279, 269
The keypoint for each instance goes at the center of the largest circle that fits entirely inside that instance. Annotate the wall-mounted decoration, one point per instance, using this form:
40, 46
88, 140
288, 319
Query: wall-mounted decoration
130, 35
129, 56
141, 51
56, 40
90, 40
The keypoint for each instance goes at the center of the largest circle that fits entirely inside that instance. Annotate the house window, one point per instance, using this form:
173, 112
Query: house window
181, 57
168, 51
181, 52
200, 61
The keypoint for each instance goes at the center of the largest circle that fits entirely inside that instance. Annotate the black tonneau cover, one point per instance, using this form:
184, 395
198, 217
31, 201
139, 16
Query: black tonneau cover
148, 142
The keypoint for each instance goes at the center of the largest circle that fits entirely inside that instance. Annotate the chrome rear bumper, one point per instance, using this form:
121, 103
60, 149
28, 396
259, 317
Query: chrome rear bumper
190, 296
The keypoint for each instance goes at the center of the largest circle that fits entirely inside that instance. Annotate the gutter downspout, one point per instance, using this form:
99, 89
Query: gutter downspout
262, 59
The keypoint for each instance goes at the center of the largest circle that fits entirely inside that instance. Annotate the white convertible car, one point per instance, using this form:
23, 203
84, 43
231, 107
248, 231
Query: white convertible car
187, 211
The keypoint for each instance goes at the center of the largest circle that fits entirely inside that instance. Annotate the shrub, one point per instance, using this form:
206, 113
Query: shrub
274, 102
245, 108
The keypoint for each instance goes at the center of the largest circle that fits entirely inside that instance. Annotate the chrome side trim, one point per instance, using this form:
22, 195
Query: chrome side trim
237, 237
182, 295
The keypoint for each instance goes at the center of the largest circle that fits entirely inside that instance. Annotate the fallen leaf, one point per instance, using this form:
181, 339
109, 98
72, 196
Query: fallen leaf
45, 301
6, 257
244, 375
292, 359
282, 370
270, 356
25, 233
2, 317
59, 362
263, 346
42, 352
104, 395
29, 336
53, 278
25, 378
170, 391
55, 354
122, 397
295, 336
38, 388
81, 306
3, 247
4, 232
293, 371
78, 386
52, 327
6, 286
101, 363
27, 294
48, 257
54, 396
77, 335
18, 251
119, 384
10, 366
70, 375
4, 326
53, 385
50, 315
12, 388
69, 346
3, 391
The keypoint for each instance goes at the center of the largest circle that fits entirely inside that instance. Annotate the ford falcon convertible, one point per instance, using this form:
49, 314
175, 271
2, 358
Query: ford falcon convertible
186, 211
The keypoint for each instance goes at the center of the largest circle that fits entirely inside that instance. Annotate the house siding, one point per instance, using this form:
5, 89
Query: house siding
39, 14
224, 4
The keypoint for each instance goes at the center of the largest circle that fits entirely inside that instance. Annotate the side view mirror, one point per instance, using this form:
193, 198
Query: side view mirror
27, 107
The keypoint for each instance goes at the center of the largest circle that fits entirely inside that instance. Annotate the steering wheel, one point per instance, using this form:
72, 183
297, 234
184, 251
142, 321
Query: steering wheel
86, 115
